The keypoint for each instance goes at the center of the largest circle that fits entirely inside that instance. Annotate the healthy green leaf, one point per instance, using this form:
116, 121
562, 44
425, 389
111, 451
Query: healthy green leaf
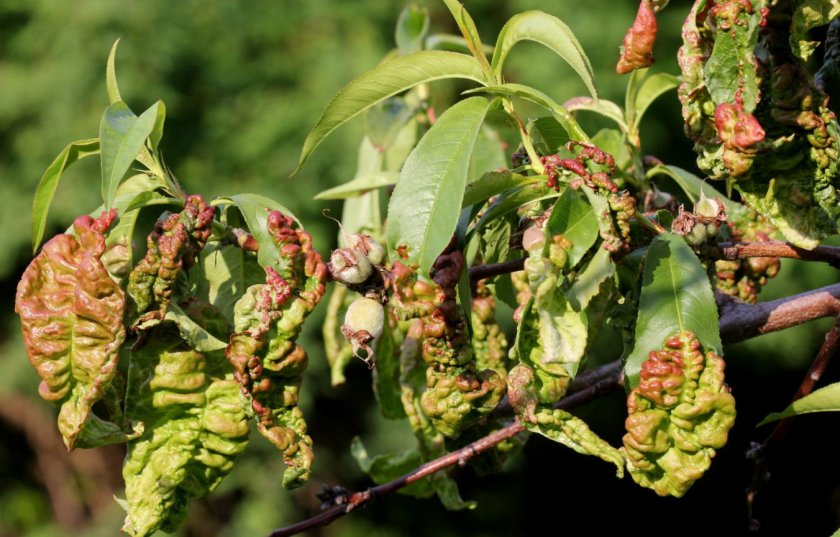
493, 183
121, 137
526, 92
424, 207
385, 80
549, 31
574, 218
385, 468
157, 129
224, 274
676, 296
488, 153
359, 185
255, 209
111, 75
826, 399
45, 191
588, 283
651, 89
412, 25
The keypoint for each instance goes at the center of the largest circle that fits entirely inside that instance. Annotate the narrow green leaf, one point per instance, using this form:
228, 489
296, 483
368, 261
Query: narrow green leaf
512, 200
199, 339
826, 399
526, 92
651, 89
676, 295
574, 218
493, 183
111, 75
359, 185
121, 137
549, 31
255, 209
385, 80
385, 468
424, 207
386, 376
157, 129
693, 186
412, 25
451, 43
603, 107
588, 283
45, 191
470, 32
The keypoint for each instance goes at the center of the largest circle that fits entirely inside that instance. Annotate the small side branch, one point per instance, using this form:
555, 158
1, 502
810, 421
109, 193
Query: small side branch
744, 250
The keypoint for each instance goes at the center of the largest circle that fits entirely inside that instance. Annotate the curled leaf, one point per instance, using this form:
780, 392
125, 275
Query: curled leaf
637, 51
195, 425
678, 415
71, 313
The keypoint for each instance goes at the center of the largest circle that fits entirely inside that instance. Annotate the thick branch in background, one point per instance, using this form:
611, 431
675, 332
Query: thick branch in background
738, 322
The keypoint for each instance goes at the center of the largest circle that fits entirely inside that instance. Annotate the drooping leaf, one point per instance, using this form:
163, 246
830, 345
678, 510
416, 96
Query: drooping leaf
121, 137
534, 95
676, 296
588, 283
45, 191
678, 415
810, 14
693, 186
493, 183
424, 207
603, 107
826, 399
195, 335
573, 218
72, 313
359, 185
412, 26
385, 80
574, 433
650, 89
195, 426
255, 209
386, 375
549, 31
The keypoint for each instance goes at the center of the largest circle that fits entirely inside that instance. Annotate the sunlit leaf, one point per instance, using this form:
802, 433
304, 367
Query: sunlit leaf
826, 399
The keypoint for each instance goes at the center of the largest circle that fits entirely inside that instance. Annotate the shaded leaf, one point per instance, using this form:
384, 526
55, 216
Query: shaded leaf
651, 88
826, 399
385, 468
45, 191
693, 186
386, 375
493, 183
603, 107
424, 207
196, 336
588, 283
386, 80
676, 297
549, 31
385, 120
810, 14
412, 25
225, 272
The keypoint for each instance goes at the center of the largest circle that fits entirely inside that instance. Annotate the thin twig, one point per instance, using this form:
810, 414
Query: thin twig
592, 385
490, 270
761, 453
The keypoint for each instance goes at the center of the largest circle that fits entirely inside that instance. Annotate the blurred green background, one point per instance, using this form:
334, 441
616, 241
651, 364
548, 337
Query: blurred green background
243, 82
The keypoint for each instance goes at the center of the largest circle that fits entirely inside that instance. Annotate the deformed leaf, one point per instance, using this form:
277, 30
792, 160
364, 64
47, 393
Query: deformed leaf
676, 296
195, 426
45, 191
255, 209
71, 313
588, 283
810, 14
678, 415
225, 273
423, 211
550, 32
826, 399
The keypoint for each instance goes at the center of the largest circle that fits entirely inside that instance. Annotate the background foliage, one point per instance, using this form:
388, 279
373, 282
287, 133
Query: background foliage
243, 83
